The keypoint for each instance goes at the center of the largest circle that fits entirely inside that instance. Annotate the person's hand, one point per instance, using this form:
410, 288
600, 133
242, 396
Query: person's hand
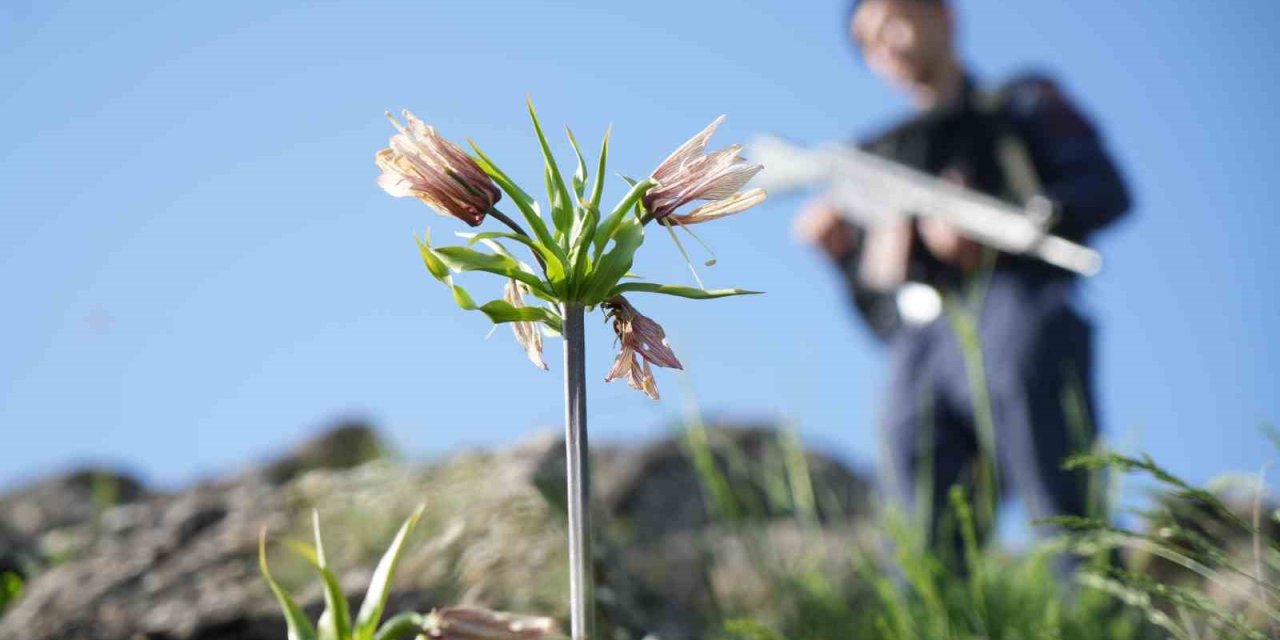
949, 245
946, 242
819, 224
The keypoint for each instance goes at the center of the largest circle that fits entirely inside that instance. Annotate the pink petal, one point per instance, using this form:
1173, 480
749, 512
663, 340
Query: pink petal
692, 148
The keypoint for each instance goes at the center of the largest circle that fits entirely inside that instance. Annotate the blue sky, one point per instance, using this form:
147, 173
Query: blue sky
197, 270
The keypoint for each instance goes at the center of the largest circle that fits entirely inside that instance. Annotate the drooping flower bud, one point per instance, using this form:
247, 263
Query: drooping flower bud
422, 164
690, 173
638, 336
460, 623
527, 333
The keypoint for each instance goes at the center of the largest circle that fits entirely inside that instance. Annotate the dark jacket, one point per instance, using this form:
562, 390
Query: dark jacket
1067, 163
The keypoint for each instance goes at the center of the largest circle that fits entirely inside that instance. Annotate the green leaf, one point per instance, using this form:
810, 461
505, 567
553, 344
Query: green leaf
335, 622
441, 272
405, 625
296, 621
676, 290
597, 190
304, 550
586, 217
580, 175
557, 192
500, 311
437, 268
555, 268
375, 600
464, 259
615, 262
528, 207
580, 257
610, 224
490, 239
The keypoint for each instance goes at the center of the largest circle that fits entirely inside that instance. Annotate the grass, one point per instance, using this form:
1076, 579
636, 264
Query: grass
900, 590
10, 589
1194, 568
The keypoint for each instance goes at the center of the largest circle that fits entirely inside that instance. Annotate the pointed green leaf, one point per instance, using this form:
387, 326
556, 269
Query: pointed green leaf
375, 600
490, 239
437, 268
335, 622
500, 311
580, 256
440, 271
555, 268
610, 224
676, 290
462, 298
405, 625
615, 262
585, 234
464, 259
296, 621
303, 550
557, 192
528, 207
597, 190
579, 175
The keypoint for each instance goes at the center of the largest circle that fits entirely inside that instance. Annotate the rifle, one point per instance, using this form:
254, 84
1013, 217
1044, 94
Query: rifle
870, 191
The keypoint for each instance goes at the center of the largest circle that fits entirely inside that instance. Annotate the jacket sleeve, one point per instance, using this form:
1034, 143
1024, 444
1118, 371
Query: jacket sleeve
878, 309
1074, 168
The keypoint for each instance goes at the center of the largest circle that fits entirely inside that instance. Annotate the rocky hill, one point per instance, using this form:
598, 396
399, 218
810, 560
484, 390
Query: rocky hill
105, 557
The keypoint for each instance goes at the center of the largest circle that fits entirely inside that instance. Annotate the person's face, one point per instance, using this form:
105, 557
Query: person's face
902, 41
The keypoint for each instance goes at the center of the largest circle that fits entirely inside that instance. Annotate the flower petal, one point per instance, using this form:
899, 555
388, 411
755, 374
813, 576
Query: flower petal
735, 203
692, 148
421, 163
527, 333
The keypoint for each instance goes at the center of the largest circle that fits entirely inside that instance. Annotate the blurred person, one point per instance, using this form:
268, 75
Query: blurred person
1017, 141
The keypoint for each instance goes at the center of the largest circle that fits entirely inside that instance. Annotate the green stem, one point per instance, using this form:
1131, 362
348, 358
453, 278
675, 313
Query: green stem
964, 323
515, 226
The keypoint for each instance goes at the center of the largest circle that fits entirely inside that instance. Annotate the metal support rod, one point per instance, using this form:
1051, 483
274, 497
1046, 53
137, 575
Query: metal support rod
578, 472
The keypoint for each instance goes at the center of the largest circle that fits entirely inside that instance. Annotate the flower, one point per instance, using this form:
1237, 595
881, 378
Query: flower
527, 333
735, 203
640, 336
421, 164
460, 623
690, 173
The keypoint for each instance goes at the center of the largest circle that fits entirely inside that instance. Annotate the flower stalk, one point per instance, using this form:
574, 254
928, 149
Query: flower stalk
586, 261
578, 476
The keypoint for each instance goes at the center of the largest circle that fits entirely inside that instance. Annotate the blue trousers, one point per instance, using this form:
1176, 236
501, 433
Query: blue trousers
1037, 363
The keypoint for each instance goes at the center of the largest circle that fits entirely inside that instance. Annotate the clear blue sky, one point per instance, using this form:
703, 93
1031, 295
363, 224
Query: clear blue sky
196, 268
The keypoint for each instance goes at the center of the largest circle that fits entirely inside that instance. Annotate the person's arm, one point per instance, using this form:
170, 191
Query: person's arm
1074, 168
843, 244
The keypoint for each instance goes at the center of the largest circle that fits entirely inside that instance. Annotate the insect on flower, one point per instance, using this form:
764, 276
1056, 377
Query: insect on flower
422, 164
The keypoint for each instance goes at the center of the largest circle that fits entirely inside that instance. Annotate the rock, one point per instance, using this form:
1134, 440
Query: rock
69, 499
184, 566
1190, 526
178, 565
346, 445
16, 552
658, 490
